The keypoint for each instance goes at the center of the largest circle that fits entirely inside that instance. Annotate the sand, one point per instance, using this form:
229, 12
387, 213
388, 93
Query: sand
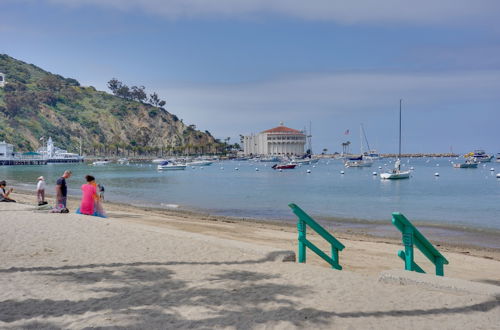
143, 269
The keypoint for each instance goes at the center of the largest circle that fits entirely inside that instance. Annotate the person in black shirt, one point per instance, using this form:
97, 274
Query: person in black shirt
62, 190
4, 194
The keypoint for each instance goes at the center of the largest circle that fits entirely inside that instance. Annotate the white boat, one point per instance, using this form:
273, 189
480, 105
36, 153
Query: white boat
359, 163
396, 173
100, 162
123, 161
158, 160
371, 154
305, 161
169, 166
200, 163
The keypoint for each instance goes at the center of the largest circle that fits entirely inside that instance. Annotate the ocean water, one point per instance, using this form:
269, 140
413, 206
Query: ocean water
458, 197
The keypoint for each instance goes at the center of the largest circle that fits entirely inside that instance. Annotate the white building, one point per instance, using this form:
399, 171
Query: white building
6, 150
2, 80
278, 141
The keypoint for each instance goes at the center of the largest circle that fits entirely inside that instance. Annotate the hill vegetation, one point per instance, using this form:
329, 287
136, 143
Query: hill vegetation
35, 104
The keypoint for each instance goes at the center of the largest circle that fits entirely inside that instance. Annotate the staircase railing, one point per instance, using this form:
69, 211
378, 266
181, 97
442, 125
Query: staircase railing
411, 237
303, 220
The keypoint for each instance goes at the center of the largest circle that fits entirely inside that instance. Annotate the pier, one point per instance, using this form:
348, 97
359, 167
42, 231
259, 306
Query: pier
23, 161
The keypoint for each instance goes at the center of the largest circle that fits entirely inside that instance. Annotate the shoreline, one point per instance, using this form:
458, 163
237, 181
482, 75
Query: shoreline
471, 242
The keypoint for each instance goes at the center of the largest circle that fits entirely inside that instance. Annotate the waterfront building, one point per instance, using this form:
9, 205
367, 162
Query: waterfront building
54, 154
2, 80
6, 150
277, 141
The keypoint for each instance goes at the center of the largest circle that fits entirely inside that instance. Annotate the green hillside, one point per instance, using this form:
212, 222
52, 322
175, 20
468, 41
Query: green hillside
35, 103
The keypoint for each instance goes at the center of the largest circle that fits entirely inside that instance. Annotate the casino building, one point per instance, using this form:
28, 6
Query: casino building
278, 141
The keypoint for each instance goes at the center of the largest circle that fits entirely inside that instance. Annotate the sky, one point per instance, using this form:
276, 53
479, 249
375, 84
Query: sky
240, 67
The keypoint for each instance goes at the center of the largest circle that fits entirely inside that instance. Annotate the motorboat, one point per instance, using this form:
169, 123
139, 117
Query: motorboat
396, 173
123, 161
480, 156
359, 162
200, 163
100, 162
467, 164
288, 166
158, 161
169, 166
305, 161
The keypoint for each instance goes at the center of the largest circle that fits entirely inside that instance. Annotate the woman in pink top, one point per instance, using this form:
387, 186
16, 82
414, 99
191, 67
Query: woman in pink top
89, 195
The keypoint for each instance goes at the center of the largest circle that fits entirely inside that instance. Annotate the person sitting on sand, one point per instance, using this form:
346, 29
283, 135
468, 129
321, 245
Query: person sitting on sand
4, 194
90, 204
40, 191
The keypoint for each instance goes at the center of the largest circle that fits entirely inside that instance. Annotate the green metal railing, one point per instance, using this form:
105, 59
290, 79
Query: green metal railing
303, 220
411, 236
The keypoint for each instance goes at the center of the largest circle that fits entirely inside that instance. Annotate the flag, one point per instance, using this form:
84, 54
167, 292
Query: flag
346, 132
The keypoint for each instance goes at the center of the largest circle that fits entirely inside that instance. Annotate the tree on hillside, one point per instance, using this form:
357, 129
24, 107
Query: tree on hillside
124, 92
50, 83
114, 85
138, 93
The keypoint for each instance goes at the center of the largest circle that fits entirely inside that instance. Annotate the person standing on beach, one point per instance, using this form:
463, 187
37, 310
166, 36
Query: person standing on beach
62, 192
4, 194
100, 186
40, 191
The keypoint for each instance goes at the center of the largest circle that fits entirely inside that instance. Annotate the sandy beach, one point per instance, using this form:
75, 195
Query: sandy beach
144, 268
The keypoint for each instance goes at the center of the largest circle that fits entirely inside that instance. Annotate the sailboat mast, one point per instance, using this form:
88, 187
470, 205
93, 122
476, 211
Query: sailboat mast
399, 154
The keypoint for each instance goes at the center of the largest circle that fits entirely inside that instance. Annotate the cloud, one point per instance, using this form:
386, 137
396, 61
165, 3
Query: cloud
343, 12
242, 108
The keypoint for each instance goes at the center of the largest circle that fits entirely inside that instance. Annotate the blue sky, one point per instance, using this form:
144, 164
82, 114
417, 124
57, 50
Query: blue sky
237, 67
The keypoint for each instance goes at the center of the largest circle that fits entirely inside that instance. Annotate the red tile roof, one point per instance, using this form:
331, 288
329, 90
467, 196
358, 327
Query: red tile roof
283, 129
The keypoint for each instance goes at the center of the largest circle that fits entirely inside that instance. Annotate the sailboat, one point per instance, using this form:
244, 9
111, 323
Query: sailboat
396, 173
371, 154
362, 160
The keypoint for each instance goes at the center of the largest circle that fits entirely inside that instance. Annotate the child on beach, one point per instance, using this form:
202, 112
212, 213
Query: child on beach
4, 194
40, 191
90, 204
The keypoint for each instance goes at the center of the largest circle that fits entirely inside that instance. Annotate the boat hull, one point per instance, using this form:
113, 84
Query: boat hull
395, 176
465, 165
171, 167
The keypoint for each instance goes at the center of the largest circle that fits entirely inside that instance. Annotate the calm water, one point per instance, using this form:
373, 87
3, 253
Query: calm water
466, 197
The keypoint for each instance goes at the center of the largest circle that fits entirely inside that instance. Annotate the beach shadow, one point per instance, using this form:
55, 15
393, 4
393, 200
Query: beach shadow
492, 282
149, 295
271, 256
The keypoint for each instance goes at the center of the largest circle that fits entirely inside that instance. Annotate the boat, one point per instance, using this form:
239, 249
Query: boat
288, 166
158, 160
371, 154
396, 172
170, 166
270, 159
53, 154
100, 162
304, 161
123, 161
469, 163
200, 163
363, 162
481, 156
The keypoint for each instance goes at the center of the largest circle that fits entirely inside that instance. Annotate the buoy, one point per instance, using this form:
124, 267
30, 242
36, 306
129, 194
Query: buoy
374, 173
498, 175
492, 169
192, 167
314, 166
380, 167
342, 172
281, 170
308, 171
222, 167
236, 168
436, 174
437, 164
257, 169
412, 168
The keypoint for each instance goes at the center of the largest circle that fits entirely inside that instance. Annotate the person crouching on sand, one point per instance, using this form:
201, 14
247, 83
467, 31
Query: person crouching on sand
40, 191
4, 194
90, 204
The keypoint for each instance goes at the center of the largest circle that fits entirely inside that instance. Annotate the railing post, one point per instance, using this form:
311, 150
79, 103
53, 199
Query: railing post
408, 243
301, 227
439, 266
335, 256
